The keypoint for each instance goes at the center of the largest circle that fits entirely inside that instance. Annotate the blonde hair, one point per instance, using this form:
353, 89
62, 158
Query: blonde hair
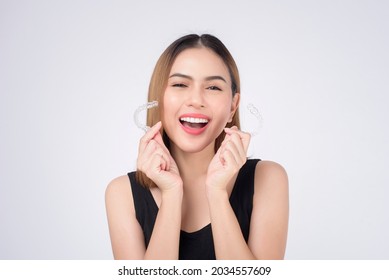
160, 77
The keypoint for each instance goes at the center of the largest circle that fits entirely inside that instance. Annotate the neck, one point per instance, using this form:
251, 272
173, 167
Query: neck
193, 165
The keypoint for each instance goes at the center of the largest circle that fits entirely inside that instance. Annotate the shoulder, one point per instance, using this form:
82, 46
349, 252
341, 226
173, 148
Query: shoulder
118, 185
266, 167
271, 178
118, 193
270, 171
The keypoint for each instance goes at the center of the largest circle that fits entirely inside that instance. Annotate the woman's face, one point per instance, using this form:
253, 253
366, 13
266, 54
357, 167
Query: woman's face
198, 100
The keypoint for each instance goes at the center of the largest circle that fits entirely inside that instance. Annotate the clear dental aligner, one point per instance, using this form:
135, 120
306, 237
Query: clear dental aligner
254, 111
149, 105
141, 108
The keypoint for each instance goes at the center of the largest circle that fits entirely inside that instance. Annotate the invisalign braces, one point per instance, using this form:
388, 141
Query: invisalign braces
252, 109
141, 108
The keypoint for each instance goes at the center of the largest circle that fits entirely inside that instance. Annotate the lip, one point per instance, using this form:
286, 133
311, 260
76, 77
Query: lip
195, 115
194, 131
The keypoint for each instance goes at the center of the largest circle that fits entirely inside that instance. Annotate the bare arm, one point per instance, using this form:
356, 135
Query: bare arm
164, 242
127, 238
269, 221
126, 234
268, 225
227, 236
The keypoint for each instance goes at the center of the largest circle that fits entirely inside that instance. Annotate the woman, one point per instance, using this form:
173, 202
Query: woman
195, 195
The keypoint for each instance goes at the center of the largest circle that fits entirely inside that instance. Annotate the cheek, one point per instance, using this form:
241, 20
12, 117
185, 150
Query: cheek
171, 103
222, 108
224, 116
171, 99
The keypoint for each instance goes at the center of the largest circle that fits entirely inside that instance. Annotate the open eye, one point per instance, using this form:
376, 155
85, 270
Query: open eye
214, 88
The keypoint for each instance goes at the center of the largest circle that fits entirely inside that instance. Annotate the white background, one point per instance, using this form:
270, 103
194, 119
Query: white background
73, 72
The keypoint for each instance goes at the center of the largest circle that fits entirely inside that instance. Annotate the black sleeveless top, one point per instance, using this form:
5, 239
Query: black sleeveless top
198, 245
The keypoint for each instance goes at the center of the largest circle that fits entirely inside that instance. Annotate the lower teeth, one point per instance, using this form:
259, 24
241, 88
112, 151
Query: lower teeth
194, 125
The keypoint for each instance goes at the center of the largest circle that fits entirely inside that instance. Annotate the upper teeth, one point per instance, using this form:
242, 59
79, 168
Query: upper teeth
194, 120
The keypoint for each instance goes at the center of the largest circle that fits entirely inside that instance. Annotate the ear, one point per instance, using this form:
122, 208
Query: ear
234, 105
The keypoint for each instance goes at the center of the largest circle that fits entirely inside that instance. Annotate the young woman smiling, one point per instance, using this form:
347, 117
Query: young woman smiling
195, 195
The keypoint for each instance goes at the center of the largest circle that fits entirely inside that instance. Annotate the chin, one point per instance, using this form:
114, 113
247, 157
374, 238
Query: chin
191, 147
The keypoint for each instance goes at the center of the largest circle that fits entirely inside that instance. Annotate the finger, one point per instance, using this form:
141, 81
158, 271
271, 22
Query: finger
238, 143
235, 136
232, 148
157, 163
159, 152
222, 145
161, 145
144, 156
163, 162
243, 135
153, 148
149, 135
166, 161
158, 138
149, 150
230, 161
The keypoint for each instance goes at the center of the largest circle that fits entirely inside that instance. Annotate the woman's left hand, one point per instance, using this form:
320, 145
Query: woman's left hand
228, 160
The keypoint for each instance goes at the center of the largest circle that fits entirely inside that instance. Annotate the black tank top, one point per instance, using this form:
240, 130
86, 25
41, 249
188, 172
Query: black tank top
198, 245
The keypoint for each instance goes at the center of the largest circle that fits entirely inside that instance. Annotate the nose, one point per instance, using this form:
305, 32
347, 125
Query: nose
196, 98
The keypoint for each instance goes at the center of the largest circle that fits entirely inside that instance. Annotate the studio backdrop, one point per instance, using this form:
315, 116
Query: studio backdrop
72, 73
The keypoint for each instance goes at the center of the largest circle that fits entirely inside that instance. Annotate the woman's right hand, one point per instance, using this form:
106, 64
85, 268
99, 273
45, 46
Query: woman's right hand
155, 161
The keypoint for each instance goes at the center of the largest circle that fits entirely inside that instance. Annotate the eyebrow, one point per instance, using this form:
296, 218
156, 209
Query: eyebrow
209, 78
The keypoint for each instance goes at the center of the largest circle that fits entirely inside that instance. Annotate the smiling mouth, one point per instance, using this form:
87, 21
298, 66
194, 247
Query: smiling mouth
194, 123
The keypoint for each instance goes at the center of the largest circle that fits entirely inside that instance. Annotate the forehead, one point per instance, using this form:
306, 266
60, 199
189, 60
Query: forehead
200, 62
